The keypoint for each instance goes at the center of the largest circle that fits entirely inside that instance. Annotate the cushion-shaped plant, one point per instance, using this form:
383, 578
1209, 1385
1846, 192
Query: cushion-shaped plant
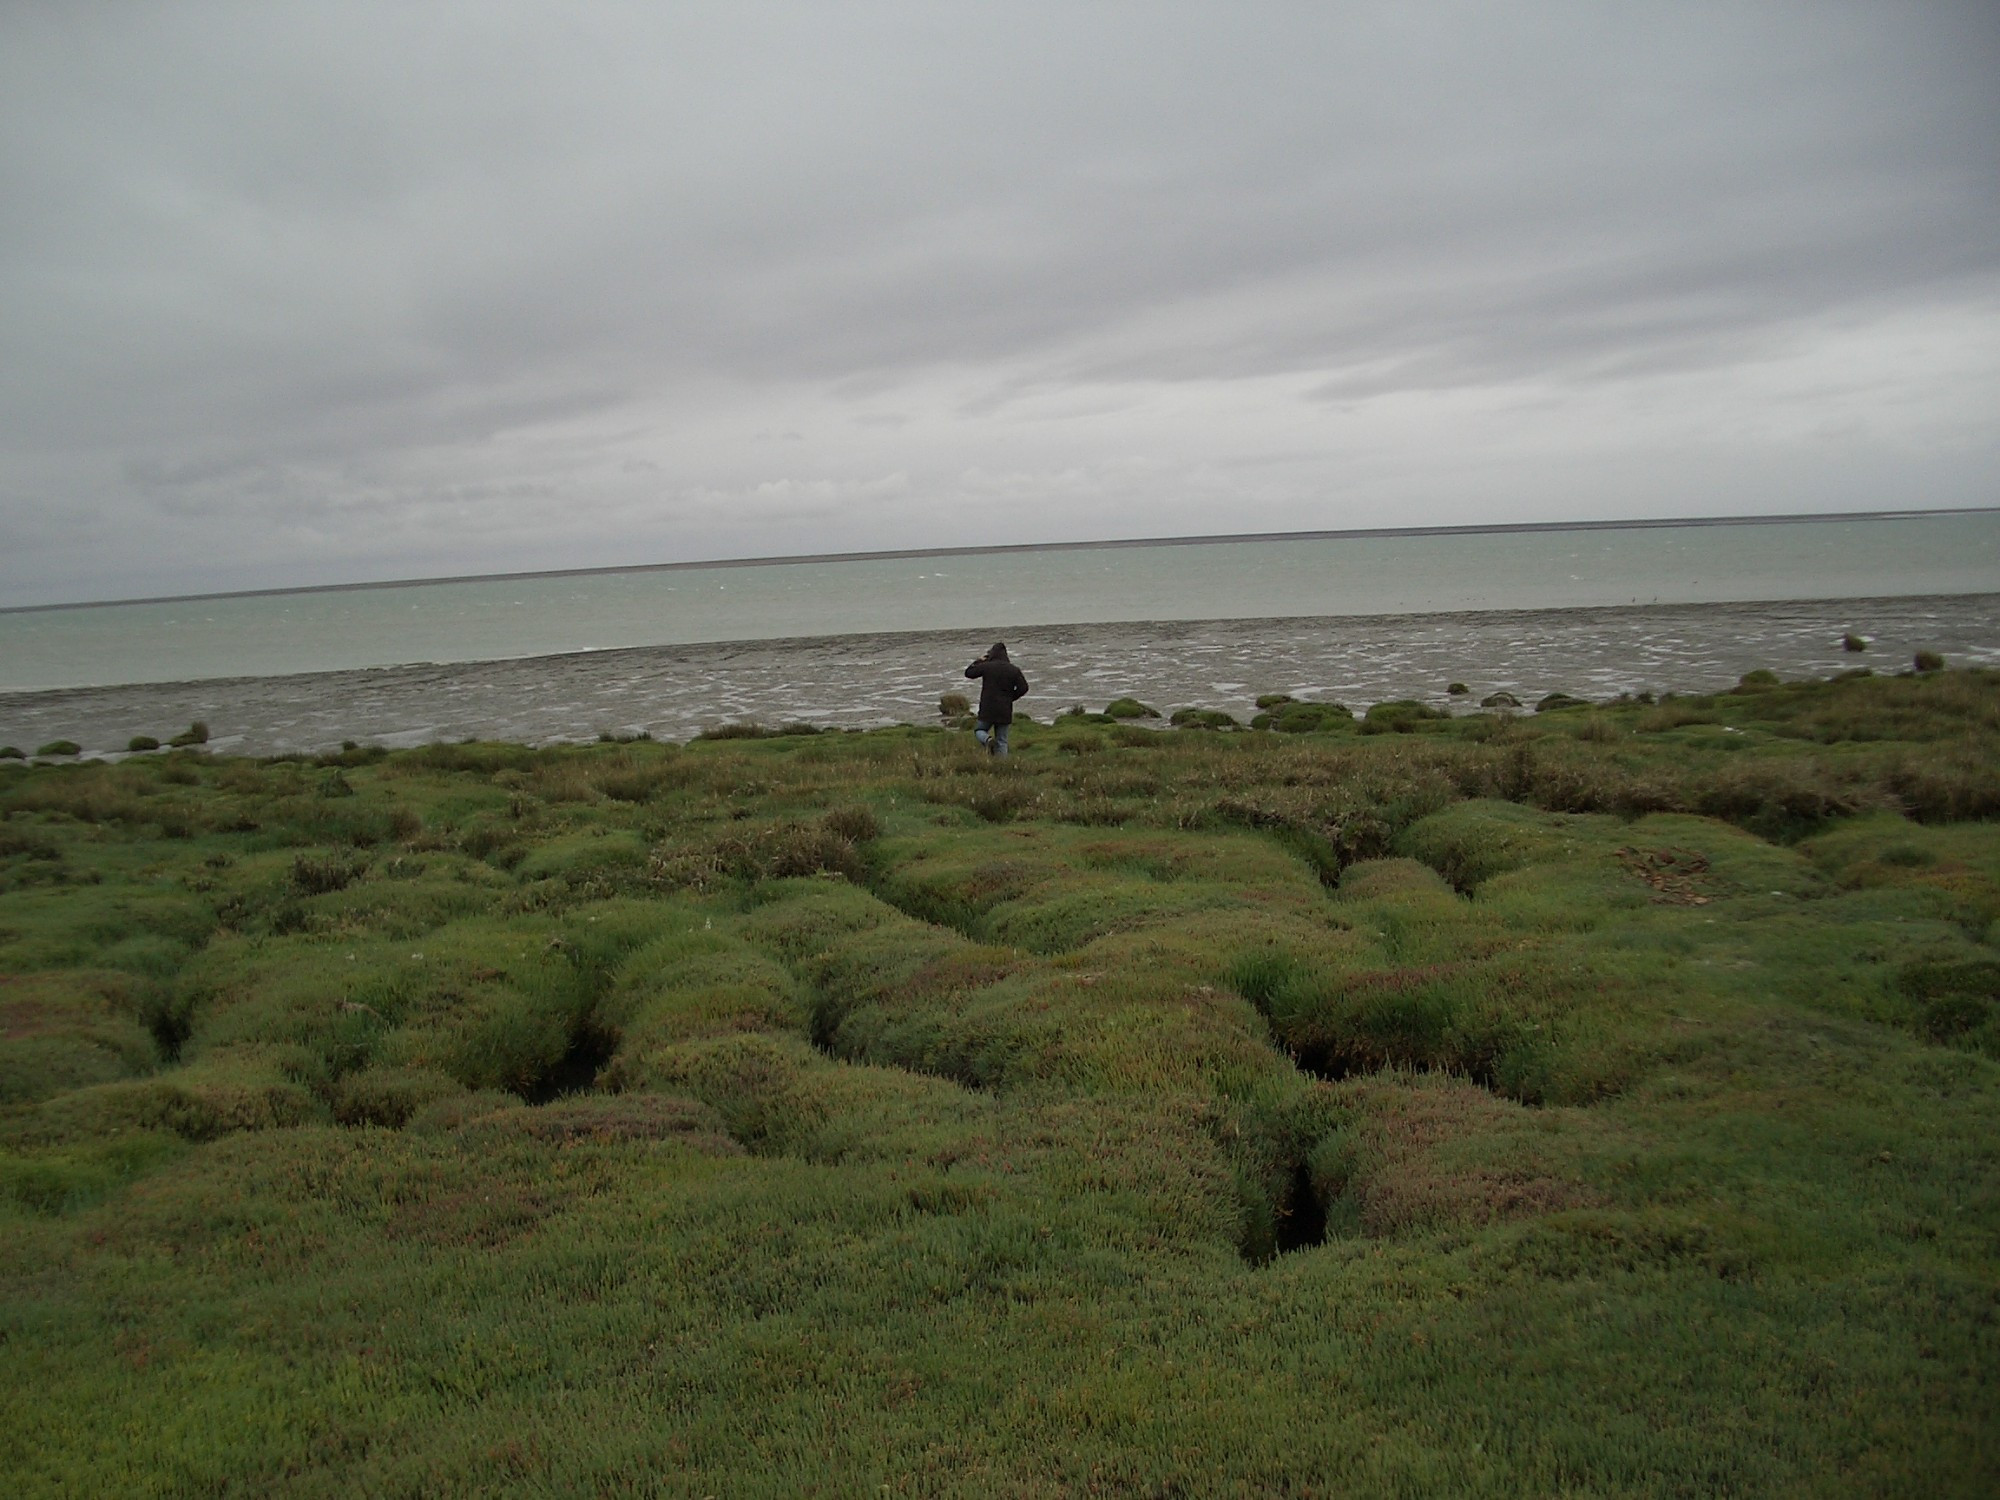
1130, 708
1202, 718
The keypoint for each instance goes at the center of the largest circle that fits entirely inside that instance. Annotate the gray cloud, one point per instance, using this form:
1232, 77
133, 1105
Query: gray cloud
324, 291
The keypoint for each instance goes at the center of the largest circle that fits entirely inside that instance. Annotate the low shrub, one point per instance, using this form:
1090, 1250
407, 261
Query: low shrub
1557, 702
1308, 718
1130, 708
388, 1097
140, 742
1598, 729
744, 731
857, 824
1202, 718
195, 734
1457, 689
1929, 661
312, 876
952, 705
11, 752
1399, 716
1499, 700
1273, 700
60, 747
1760, 681
1852, 642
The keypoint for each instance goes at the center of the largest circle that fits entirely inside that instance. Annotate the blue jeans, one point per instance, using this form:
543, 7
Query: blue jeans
992, 736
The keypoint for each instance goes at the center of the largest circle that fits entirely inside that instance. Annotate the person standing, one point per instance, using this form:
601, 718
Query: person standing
1000, 683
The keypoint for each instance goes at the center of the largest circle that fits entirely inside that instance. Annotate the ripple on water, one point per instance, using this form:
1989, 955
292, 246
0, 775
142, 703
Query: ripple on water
673, 691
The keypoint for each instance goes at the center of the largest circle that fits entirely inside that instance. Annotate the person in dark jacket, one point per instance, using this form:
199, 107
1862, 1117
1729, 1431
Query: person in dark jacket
1000, 683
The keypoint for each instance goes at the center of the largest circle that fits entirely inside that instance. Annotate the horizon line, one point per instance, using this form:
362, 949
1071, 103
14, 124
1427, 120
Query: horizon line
1357, 533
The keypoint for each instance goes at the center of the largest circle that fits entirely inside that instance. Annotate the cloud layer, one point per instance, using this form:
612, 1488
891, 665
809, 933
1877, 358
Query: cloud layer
323, 292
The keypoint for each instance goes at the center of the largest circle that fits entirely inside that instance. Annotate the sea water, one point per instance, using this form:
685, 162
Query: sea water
498, 619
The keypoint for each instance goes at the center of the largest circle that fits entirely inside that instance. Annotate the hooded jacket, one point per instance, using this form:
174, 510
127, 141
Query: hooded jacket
1000, 683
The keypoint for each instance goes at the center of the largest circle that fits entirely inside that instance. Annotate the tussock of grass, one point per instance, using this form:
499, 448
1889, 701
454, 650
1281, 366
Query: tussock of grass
1598, 1102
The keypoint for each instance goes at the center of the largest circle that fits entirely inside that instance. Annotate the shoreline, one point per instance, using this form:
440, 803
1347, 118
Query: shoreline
868, 680
1511, 528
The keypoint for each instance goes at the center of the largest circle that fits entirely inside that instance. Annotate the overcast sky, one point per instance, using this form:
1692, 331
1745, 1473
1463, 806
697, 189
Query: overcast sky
307, 293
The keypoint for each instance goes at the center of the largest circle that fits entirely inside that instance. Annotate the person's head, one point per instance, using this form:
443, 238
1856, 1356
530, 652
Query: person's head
998, 653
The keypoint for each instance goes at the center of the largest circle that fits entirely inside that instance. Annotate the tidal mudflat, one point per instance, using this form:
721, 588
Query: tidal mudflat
1604, 1100
869, 680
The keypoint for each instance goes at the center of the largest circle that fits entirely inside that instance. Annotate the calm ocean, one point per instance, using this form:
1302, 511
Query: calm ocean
495, 619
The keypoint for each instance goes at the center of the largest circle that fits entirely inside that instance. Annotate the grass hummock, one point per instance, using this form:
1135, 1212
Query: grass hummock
1594, 1102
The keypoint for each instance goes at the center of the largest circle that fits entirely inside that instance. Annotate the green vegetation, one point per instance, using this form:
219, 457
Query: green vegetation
60, 747
1129, 708
1599, 1103
1292, 716
1202, 718
140, 742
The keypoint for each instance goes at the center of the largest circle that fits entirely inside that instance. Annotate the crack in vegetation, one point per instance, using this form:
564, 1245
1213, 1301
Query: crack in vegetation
576, 1071
1301, 1217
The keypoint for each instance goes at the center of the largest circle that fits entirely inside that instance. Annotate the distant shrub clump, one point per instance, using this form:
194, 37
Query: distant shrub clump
1202, 718
1852, 642
1273, 700
1306, 718
954, 705
856, 824
61, 747
1929, 661
312, 876
1500, 700
1557, 702
140, 742
1399, 716
195, 734
11, 752
735, 732
1760, 681
1457, 689
1130, 708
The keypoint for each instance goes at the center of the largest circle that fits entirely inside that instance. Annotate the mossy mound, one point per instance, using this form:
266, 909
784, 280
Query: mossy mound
1298, 717
1400, 716
1129, 708
1202, 718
